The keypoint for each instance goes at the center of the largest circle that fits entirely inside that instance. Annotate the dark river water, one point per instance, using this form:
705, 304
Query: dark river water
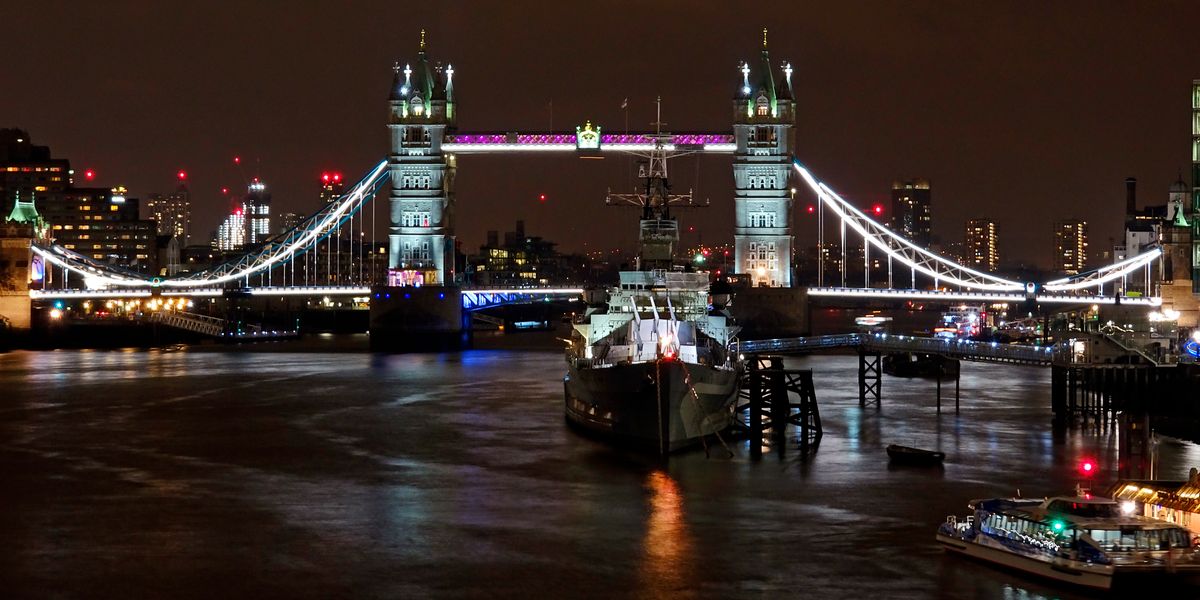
208, 474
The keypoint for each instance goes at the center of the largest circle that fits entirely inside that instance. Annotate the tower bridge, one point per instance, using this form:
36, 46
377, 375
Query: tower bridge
419, 174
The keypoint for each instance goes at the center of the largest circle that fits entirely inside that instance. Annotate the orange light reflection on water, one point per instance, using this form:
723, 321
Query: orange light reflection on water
667, 554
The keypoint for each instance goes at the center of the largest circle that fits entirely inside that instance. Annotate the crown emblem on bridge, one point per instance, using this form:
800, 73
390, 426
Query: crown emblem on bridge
587, 138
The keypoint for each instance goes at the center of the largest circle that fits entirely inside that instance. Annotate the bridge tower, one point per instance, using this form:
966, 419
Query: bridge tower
764, 118
421, 235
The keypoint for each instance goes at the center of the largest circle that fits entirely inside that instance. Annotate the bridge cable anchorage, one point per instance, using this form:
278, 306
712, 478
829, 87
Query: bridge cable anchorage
312, 230
901, 249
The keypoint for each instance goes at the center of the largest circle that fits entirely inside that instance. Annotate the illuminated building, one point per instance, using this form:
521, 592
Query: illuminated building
331, 187
231, 234
911, 215
256, 209
764, 122
1070, 246
103, 225
29, 170
421, 232
979, 245
523, 260
172, 212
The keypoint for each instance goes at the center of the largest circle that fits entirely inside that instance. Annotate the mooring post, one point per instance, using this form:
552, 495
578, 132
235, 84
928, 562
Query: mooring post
779, 398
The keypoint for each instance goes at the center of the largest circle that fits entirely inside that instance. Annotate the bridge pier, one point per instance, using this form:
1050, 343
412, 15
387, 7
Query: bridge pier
870, 378
768, 388
426, 318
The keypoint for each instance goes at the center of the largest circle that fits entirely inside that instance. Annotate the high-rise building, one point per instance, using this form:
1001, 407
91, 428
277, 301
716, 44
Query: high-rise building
421, 232
764, 121
331, 187
979, 245
257, 210
172, 212
231, 234
911, 215
103, 225
1070, 246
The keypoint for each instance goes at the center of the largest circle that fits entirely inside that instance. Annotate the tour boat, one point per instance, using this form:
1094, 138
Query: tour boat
1080, 540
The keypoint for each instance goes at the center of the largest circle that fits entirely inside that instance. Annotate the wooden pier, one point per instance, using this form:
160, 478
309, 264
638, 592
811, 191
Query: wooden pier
771, 398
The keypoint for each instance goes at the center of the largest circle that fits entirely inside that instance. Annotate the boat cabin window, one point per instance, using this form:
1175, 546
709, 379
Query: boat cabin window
1131, 540
1091, 510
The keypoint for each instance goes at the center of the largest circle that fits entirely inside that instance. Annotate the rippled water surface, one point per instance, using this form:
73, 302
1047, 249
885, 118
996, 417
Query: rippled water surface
320, 475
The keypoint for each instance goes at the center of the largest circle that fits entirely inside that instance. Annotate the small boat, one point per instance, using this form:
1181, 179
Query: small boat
914, 456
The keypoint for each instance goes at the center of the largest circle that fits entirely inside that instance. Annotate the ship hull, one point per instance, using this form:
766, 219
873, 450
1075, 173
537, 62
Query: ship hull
651, 404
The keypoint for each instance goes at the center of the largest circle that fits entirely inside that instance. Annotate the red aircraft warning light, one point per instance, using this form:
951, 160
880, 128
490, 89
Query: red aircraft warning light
89, 174
877, 209
811, 209
541, 197
182, 175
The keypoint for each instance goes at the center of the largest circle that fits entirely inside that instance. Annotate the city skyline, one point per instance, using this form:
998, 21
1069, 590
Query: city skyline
1012, 120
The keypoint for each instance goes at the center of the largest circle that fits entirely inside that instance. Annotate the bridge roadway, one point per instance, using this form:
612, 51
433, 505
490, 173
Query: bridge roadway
472, 299
884, 343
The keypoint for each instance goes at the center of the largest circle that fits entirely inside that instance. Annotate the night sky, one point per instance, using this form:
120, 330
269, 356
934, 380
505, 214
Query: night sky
1024, 112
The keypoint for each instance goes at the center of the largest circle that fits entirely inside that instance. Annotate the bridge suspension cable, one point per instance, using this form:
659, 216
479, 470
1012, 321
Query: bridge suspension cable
298, 241
899, 248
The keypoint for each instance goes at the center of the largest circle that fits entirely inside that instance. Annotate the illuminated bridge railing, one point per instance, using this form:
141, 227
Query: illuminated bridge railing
569, 142
487, 298
883, 342
971, 296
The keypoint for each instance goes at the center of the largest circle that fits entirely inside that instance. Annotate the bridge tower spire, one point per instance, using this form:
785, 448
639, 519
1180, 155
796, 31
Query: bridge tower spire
421, 232
764, 120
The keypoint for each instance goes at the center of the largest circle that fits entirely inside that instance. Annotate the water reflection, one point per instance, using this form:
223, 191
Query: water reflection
666, 568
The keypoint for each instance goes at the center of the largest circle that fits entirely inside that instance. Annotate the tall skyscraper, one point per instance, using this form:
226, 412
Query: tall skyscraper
172, 212
331, 187
421, 232
257, 210
1070, 246
764, 120
911, 214
231, 234
979, 245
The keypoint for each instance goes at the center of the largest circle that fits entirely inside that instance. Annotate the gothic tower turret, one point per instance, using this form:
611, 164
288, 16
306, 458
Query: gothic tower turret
764, 118
421, 234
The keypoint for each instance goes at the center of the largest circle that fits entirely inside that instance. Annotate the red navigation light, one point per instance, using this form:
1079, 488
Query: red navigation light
1087, 467
877, 209
89, 174
237, 160
224, 190
811, 209
541, 197
325, 177
237, 211
337, 176
707, 252
182, 175
691, 229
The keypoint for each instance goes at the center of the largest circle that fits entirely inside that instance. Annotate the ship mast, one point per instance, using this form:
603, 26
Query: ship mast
659, 232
